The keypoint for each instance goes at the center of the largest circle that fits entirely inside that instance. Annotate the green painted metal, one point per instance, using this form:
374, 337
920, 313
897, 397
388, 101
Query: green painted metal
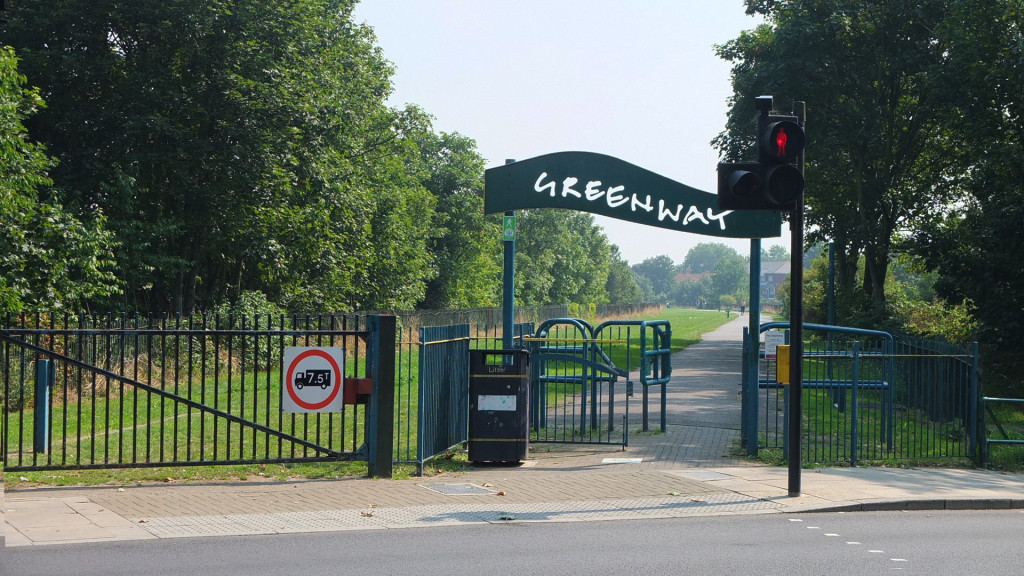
655, 359
443, 390
987, 414
380, 430
605, 185
870, 396
45, 379
748, 395
573, 390
574, 371
508, 284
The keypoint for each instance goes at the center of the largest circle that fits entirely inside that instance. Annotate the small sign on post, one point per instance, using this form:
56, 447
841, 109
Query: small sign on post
312, 380
772, 340
508, 228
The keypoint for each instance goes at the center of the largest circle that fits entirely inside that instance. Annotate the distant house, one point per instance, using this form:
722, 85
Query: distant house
687, 277
773, 274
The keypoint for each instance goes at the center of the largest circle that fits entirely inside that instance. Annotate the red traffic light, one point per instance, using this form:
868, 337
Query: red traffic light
782, 141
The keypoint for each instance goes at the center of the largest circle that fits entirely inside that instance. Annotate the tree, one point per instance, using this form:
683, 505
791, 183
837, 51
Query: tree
728, 277
883, 160
50, 258
693, 291
562, 257
775, 253
704, 257
660, 271
622, 287
235, 145
467, 245
976, 247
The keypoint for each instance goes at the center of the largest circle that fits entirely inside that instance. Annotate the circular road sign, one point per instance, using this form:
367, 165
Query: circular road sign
313, 379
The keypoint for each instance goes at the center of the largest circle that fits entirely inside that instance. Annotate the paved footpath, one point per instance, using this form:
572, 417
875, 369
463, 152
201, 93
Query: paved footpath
686, 471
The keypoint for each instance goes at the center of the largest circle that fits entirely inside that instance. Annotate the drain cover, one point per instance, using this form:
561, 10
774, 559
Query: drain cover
458, 489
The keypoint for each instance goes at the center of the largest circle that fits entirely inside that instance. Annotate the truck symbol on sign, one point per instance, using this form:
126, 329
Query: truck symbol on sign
321, 378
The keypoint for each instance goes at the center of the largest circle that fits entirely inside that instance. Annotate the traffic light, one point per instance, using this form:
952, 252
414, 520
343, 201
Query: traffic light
739, 186
776, 180
780, 147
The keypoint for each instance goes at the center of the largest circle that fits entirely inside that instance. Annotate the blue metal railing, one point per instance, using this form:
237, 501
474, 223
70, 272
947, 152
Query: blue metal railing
573, 392
987, 413
867, 395
655, 359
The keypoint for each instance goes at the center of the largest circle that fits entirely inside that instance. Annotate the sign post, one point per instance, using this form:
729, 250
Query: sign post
312, 380
508, 277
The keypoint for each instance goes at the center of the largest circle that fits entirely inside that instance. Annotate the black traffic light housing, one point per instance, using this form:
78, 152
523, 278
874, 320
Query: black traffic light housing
776, 180
739, 185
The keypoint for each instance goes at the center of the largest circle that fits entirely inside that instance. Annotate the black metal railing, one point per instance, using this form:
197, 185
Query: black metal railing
102, 392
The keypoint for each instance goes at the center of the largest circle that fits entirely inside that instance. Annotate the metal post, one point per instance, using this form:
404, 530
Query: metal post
976, 432
380, 419
796, 296
838, 393
749, 391
508, 283
831, 284
854, 412
46, 375
663, 342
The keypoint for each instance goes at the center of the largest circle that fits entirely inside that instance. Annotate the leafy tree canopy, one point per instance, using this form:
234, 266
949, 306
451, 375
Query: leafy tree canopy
660, 271
234, 145
50, 258
881, 156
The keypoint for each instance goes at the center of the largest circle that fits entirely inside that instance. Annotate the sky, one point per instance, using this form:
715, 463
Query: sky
637, 80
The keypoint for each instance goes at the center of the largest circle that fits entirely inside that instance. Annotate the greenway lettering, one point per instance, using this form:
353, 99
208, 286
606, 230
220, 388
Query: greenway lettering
601, 184
616, 197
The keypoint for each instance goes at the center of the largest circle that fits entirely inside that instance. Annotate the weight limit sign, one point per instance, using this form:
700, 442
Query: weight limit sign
312, 380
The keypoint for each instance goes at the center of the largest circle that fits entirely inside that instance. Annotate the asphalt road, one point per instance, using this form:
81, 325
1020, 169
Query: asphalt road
946, 543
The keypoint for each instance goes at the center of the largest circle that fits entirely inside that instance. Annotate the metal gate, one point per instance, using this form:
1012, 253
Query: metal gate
112, 392
575, 388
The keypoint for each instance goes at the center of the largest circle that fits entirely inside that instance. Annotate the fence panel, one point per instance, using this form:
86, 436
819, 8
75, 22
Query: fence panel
136, 392
443, 389
871, 397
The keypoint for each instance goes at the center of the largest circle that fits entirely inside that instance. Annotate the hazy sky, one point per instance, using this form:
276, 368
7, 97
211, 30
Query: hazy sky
637, 80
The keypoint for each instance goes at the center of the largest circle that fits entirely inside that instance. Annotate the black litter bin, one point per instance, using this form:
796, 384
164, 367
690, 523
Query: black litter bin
499, 403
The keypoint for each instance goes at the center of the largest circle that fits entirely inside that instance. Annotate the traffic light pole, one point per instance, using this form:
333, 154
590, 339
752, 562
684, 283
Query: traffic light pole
796, 325
776, 182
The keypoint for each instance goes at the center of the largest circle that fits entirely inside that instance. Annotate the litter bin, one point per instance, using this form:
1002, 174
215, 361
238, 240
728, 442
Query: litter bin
499, 402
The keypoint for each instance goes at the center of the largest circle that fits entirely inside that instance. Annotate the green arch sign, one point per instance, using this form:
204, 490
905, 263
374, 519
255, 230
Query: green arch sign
601, 184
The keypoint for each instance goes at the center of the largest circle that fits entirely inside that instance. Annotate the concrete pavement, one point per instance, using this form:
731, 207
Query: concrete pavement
686, 471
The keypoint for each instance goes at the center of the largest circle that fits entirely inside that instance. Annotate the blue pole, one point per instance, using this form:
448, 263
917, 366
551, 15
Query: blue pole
831, 284
45, 377
508, 280
750, 391
854, 414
